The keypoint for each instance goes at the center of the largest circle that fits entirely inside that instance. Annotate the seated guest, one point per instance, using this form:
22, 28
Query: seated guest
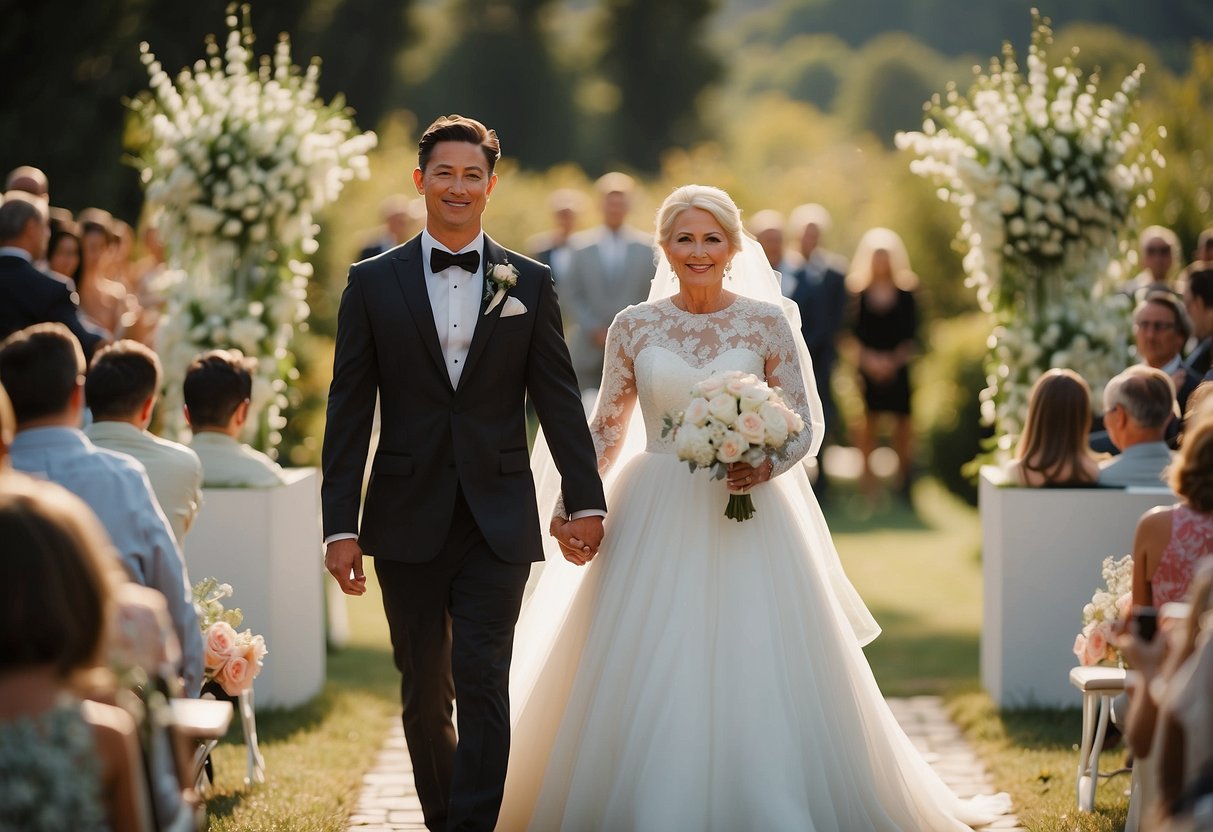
1170, 540
1139, 403
42, 369
1198, 301
55, 601
1053, 449
1161, 256
1160, 330
121, 391
28, 296
218, 389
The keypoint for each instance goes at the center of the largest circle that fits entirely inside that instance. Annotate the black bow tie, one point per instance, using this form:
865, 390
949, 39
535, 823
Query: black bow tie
441, 260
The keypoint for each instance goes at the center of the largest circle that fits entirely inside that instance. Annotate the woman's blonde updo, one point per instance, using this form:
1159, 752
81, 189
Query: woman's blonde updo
713, 200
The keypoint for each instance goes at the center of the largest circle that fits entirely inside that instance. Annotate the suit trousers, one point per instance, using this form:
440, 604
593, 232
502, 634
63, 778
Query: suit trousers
452, 627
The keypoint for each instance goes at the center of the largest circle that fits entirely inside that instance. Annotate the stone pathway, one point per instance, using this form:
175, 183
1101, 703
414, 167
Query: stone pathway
389, 801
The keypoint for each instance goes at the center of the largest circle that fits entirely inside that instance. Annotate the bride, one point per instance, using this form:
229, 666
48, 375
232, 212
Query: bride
701, 673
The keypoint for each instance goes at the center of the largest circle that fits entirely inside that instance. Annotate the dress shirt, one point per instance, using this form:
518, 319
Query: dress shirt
1172, 366
116, 488
228, 463
16, 251
613, 248
455, 297
174, 470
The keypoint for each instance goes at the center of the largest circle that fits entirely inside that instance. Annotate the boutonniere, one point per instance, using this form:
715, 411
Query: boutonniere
499, 278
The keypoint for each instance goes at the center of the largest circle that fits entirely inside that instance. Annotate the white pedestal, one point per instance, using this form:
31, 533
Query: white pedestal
1042, 549
266, 543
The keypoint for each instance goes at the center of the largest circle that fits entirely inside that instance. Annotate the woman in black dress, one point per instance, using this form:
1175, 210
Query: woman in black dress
886, 327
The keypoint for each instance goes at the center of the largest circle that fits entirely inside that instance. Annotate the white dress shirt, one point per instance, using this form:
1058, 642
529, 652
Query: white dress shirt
455, 297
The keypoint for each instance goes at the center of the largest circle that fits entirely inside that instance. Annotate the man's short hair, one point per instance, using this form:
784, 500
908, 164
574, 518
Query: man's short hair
1199, 279
40, 367
457, 128
16, 212
216, 383
120, 379
1147, 394
1182, 325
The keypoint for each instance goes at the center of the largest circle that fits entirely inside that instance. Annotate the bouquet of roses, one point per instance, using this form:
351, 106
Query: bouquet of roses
232, 660
1094, 645
732, 417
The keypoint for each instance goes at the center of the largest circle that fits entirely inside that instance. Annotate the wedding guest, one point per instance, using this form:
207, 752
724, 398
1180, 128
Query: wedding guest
611, 268
554, 248
1198, 302
1138, 403
402, 220
42, 369
1160, 330
28, 179
1160, 255
1052, 450
63, 253
104, 300
1171, 540
121, 390
218, 390
1204, 246
819, 289
28, 296
767, 226
1170, 718
69, 762
886, 327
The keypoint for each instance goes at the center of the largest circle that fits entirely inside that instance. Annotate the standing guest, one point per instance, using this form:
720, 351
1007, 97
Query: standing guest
1138, 404
28, 179
28, 296
819, 289
1198, 302
611, 268
767, 226
218, 391
63, 253
554, 248
104, 300
42, 368
69, 762
121, 391
886, 327
402, 218
1160, 257
1160, 330
1052, 449
1204, 245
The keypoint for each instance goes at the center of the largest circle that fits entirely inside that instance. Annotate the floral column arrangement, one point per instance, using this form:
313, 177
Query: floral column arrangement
237, 158
1045, 175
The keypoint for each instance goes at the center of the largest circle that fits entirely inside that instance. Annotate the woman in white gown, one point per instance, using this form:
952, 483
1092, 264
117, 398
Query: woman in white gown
701, 673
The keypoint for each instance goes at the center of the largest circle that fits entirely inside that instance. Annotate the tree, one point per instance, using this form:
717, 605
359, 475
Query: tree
657, 56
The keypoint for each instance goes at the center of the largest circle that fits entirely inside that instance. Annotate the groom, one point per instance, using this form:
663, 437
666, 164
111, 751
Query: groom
452, 350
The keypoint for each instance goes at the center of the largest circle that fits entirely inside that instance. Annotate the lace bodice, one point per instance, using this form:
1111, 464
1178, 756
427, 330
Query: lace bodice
655, 352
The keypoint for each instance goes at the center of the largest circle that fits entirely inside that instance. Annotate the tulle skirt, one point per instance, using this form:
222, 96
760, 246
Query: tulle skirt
705, 674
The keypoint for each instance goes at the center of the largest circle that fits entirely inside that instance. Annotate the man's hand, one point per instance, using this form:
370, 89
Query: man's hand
579, 539
341, 557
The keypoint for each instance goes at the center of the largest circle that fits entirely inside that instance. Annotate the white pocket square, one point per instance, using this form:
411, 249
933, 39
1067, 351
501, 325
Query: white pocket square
513, 306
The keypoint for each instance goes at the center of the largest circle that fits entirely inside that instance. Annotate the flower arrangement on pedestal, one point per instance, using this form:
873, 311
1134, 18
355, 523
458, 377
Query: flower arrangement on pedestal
238, 156
1045, 176
232, 659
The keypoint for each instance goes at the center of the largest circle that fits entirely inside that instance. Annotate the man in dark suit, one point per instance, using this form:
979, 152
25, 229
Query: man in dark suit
1198, 300
453, 332
29, 296
819, 289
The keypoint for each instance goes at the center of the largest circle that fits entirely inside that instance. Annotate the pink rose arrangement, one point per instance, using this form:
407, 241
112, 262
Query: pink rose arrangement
232, 659
1095, 644
732, 417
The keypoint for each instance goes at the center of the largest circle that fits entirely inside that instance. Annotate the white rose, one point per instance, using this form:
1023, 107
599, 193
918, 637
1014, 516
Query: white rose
708, 388
776, 425
694, 444
723, 407
732, 447
696, 412
504, 274
751, 426
753, 397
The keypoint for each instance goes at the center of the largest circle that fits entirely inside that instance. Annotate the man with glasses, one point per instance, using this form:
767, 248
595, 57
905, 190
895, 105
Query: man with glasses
1160, 254
1160, 331
1138, 405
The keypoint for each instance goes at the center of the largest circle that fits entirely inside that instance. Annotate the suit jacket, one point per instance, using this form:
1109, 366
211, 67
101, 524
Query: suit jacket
116, 488
1200, 360
821, 295
1137, 465
28, 296
593, 297
435, 438
174, 470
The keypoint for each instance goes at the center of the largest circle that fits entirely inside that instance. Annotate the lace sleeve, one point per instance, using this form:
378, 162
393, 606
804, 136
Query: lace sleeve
616, 399
783, 370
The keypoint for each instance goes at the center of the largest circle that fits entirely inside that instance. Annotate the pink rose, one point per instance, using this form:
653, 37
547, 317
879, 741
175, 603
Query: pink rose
1080, 647
254, 654
709, 388
751, 426
1097, 645
220, 641
723, 407
732, 447
696, 412
236, 676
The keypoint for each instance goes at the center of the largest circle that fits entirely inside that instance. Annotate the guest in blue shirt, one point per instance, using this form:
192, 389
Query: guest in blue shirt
42, 368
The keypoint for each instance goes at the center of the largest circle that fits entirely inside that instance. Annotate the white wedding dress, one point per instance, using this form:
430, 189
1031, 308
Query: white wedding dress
701, 673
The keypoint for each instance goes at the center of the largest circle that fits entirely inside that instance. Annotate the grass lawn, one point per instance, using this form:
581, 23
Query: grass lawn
920, 574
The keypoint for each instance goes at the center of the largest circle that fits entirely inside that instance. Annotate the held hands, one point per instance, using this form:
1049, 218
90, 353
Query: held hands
743, 476
341, 557
579, 539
